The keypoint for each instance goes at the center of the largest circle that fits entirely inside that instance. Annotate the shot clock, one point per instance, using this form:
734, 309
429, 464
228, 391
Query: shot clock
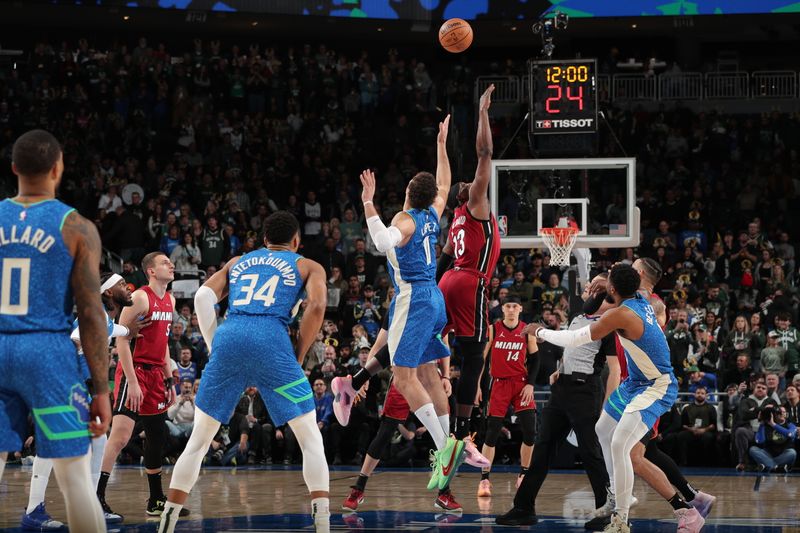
563, 96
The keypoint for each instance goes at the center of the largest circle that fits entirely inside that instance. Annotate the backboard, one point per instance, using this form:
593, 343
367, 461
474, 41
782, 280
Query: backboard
597, 194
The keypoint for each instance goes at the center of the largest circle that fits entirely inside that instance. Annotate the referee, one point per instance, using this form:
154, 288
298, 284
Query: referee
576, 398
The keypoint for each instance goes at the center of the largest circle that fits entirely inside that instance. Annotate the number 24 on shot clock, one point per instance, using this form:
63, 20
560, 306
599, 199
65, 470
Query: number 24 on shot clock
564, 96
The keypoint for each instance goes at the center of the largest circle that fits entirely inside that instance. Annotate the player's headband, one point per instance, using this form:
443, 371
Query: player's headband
110, 282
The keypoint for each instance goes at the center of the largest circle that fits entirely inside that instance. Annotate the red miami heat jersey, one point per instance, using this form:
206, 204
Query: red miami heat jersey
509, 351
476, 243
152, 345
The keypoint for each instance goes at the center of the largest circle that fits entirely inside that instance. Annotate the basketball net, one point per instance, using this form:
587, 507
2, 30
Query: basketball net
560, 240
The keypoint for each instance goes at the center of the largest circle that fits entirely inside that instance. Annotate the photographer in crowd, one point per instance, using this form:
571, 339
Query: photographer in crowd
774, 449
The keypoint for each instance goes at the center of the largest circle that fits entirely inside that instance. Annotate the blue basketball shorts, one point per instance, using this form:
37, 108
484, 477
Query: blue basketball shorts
650, 399
416, 319
40, 376
253, 351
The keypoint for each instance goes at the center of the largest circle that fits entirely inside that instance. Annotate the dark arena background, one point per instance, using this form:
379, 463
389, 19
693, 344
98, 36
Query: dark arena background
658, 129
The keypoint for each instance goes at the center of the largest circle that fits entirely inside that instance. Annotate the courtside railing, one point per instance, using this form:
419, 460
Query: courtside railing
666, 86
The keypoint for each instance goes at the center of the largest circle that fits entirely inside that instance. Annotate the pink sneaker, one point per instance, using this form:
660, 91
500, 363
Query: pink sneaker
343, 395
703, 503
472, 456
689, 520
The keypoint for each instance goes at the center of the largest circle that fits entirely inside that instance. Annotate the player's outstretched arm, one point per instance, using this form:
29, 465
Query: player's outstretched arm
316, 301
443, 175
479, 191
83, 242
618, 319
213, 290
384, 238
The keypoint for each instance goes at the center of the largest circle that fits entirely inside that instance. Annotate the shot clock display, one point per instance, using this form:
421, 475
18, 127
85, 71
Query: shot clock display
563, 96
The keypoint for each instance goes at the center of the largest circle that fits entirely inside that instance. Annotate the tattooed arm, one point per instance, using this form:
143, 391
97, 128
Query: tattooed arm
83, 242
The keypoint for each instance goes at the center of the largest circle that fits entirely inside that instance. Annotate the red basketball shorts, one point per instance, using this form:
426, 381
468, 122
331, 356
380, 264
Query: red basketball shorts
467, 304
505, 392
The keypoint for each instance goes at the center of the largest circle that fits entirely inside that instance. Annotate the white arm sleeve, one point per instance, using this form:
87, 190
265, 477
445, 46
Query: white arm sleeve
384, 238
120, 331
204, 301
566, 338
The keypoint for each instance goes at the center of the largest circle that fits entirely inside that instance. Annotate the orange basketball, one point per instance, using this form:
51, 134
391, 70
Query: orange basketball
455, 35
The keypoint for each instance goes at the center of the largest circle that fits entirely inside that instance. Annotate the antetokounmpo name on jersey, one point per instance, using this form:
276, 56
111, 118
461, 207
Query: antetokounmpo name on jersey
287, 272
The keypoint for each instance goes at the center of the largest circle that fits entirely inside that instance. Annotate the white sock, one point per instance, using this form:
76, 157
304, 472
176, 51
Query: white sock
321, 513
444, 421
98, 447
169, 517
427, 416
3, 456
40, 475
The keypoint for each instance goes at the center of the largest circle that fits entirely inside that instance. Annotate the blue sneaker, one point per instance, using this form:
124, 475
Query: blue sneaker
39, 520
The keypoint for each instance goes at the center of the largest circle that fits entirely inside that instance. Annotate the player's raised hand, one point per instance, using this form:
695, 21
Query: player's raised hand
486, 98
532, 329
100, 415
368, 186
443, 127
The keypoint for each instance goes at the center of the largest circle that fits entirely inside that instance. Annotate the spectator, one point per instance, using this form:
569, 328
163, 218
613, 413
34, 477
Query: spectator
177, 341
524, 291
699, 421
774, 387
368, 312
323, 402
792, 404
788, 339
252, 426
774, 448
701, 380
170, 241
213, 245
747, 423
741, 372
331, 258
186, 257
187, 369
180, 414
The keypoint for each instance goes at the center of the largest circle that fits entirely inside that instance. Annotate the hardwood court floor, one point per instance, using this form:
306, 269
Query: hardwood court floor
274, 499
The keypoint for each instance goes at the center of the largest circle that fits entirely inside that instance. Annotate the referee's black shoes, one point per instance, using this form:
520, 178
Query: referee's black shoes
517, 517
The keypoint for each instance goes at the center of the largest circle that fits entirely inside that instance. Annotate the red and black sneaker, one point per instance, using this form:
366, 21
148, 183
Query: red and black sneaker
447, 503
355, 498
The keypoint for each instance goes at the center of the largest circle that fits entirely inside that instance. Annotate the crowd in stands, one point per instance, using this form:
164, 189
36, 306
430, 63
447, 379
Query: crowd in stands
187, 151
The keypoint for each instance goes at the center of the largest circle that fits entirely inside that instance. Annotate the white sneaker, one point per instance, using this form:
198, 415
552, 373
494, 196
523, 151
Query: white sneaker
608, 508
617, 526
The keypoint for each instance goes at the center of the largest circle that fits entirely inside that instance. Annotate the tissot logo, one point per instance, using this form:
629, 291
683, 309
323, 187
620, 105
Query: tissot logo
565, 123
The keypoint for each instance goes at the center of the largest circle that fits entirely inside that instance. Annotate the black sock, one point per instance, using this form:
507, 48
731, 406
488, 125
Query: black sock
101, 484
523, 470
444, 490
361, 482
485, 475
462, 427
361, 377
677, 502
154, 481
667, 465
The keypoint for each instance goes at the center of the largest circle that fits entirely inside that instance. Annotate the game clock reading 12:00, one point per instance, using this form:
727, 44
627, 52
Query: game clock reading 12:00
564, 96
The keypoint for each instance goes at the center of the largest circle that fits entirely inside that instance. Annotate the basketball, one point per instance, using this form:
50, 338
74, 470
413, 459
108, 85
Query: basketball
455, 35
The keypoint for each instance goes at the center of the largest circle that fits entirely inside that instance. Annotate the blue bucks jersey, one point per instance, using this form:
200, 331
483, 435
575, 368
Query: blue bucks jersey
648, 357
416, 261
109, 325
35, 268
265, 283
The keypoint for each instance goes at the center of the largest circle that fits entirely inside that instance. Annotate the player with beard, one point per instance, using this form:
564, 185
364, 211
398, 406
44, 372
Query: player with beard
115, 294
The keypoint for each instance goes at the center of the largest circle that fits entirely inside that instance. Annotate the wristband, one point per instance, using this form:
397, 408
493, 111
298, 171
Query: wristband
445, 377
169, 383
368, 202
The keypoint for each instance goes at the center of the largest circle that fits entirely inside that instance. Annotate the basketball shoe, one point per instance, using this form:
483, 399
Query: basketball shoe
343, 396
485, 489
703, 503
446, 462
40, 520
352, 501
446, 502
473, 457
689, 520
